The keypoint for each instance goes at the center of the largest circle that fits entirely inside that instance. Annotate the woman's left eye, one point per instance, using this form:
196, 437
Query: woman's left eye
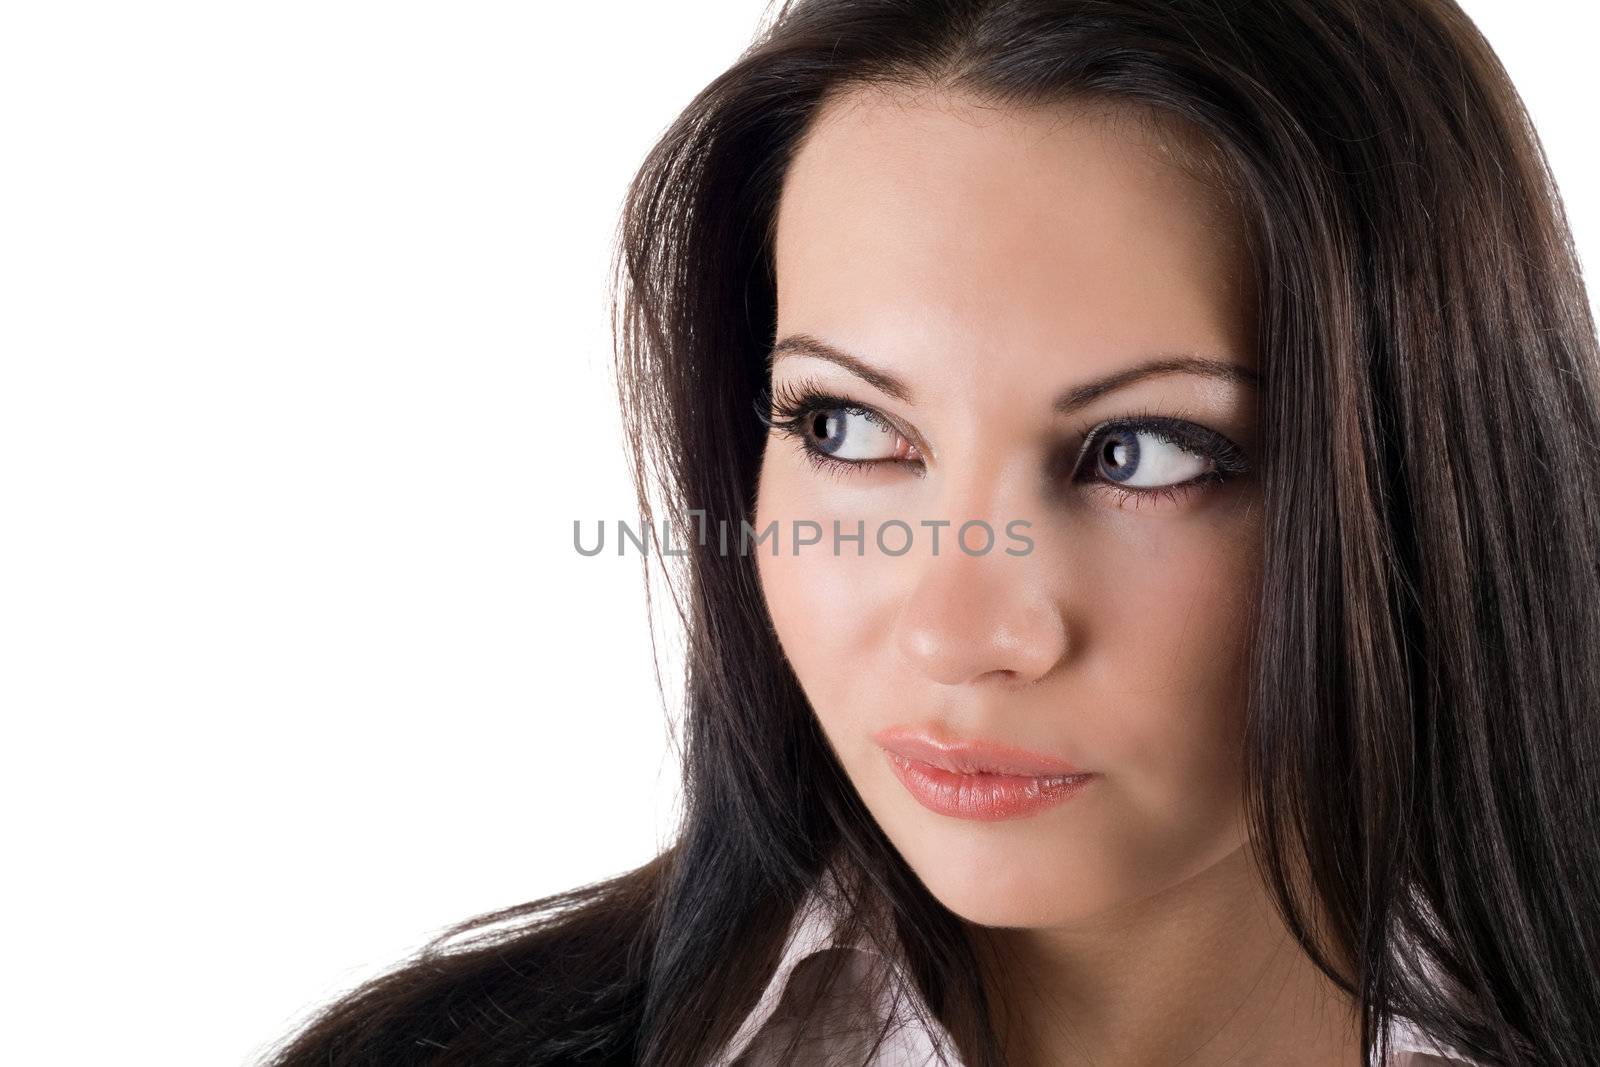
1151, 457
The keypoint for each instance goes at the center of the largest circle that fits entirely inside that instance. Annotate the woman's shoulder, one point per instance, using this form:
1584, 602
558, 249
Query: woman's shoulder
1414, 1048
557, 988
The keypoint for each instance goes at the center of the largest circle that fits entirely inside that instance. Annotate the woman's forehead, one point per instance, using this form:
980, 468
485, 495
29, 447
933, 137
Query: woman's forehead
1034, 229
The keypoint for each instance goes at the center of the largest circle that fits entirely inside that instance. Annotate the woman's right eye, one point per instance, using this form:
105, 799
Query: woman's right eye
855, 435
837, 433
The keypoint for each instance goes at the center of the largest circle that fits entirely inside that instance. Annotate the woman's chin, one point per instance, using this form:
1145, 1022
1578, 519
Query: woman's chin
1022, 890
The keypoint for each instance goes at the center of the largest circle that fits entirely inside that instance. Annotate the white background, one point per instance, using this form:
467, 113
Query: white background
303, 313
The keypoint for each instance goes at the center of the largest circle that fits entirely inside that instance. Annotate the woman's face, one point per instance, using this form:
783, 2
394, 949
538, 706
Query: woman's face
982, 264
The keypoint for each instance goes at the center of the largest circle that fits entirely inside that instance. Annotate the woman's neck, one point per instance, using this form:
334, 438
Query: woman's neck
1201, 974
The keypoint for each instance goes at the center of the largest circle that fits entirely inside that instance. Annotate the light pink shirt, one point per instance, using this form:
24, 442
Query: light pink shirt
911, 1041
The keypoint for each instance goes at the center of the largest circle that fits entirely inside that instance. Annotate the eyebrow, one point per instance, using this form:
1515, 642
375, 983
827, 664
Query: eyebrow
1068, 401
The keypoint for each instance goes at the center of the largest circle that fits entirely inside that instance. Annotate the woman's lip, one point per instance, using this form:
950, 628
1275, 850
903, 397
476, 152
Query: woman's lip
970, 757
984, 797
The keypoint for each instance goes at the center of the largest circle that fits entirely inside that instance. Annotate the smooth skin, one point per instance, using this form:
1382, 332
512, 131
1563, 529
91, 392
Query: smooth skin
988, 259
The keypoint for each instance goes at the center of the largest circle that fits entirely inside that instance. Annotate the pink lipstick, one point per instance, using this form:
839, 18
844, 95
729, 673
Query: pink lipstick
978, 780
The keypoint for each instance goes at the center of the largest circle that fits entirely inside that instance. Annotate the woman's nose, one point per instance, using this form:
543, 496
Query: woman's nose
973, 618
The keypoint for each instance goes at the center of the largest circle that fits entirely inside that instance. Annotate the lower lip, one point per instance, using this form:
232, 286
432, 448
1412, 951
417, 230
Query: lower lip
984, 797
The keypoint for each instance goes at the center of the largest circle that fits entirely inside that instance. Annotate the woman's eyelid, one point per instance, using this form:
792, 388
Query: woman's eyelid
1184, 423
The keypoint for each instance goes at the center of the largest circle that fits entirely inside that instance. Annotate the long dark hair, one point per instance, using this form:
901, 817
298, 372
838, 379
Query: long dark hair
1423, 765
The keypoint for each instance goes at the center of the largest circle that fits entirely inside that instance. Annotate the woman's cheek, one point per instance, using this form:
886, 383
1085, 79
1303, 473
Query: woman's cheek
821, 600
1176, 663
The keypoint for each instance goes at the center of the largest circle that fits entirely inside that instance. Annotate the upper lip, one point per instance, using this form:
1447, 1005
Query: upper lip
970, 756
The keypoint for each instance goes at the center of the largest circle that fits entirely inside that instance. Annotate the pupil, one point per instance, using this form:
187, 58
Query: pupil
1122, 451
823, 426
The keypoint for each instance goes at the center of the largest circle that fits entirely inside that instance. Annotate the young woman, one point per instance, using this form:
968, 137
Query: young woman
1245, 710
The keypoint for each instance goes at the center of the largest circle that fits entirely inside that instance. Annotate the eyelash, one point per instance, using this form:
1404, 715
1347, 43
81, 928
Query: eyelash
791, 407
